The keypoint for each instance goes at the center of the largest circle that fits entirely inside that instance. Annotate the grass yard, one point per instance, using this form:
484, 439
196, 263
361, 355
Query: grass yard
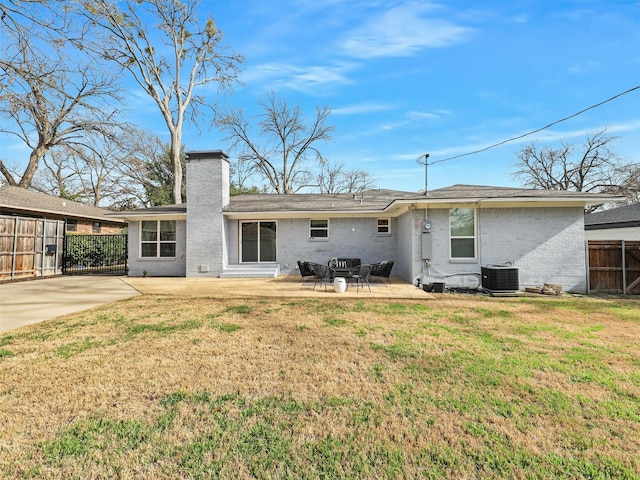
458, 387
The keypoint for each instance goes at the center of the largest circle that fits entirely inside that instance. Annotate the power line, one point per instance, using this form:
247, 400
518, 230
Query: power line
533, 131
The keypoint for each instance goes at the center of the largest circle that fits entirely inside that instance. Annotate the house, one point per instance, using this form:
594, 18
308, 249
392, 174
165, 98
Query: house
77, 217
622, 223
449, 234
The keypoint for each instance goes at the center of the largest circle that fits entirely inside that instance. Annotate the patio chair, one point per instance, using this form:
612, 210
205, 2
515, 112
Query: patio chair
322, 274
362, 277
382, 269
305, 270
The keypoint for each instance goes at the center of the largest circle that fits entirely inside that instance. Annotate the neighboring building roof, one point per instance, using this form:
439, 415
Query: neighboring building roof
17, 199
377, 201
621, 217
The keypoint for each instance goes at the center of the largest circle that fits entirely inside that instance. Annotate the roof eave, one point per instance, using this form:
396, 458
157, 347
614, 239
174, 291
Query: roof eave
105, 217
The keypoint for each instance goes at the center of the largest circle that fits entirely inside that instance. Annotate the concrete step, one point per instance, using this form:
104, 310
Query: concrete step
269, 270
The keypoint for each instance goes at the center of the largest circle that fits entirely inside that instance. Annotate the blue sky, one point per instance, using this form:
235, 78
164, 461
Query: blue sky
405, 78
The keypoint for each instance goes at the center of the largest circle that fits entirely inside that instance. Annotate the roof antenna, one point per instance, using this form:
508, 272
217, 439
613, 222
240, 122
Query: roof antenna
425, 162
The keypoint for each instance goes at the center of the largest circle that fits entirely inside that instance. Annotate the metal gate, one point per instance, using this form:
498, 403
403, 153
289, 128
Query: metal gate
95, 255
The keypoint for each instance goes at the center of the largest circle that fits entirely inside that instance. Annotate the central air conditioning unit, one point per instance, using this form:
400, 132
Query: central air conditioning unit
498, 278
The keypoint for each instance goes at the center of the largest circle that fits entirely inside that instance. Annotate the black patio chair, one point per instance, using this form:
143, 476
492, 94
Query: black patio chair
305, 270
322, 273
362, 277
382, 269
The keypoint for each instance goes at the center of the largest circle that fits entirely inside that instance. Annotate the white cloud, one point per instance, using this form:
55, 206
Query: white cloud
401, 32
584, 67
306, 79
361, 108
414, 115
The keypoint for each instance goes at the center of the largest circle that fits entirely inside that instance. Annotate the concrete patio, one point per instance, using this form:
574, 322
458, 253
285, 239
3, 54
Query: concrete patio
282, 286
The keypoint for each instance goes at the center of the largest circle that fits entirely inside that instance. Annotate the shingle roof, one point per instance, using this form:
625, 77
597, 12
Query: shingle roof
628, 216
374, 200
380, 199
313, 202
20, 199
162, 209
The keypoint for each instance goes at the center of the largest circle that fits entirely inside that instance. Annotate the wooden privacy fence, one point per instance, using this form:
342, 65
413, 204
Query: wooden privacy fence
614, 266
30, 247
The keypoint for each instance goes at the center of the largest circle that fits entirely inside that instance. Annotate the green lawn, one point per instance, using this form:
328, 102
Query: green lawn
457, 387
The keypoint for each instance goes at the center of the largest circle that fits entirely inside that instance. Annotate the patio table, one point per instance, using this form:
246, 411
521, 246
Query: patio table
344, 272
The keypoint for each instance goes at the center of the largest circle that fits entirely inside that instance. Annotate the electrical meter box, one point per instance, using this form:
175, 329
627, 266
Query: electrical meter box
427, 246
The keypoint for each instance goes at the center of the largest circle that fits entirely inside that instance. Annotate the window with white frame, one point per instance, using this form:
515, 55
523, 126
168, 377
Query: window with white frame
158, 238
462, 223
384, 226
318, 229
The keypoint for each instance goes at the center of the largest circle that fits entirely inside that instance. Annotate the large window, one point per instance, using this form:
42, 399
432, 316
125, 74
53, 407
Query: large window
318, 229
462, 223
258, 241
158, 238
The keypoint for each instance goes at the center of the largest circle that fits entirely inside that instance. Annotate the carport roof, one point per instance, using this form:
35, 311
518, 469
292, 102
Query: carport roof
17, 199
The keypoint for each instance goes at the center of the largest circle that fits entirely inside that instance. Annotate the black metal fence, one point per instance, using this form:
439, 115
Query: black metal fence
95, 254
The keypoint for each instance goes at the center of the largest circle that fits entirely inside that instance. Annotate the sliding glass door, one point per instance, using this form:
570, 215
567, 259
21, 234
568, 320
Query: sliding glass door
258, 242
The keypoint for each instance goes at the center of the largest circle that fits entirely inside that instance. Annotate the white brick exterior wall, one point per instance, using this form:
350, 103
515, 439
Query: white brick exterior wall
207, 195
547, 245
157, 267
294, 243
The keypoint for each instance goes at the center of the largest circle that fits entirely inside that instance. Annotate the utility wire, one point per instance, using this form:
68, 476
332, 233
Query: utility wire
534, 131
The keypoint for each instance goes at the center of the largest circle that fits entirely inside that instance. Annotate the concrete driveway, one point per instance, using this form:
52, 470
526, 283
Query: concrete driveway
26, 302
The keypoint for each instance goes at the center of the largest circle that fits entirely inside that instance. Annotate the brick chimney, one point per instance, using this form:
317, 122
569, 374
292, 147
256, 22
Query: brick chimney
207, 195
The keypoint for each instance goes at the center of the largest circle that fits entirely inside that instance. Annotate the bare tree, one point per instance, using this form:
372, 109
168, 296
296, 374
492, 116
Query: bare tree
333, 178
47, 98
57, 176
148, 170
288, 143
169, 54
92, 173
590, 167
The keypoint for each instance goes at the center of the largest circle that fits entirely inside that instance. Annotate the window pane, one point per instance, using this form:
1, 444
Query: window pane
249, 241
318, 228
462, 222
168, 231
149, 250
319, 233
462, 248
149, 231
167, 249
267, 241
